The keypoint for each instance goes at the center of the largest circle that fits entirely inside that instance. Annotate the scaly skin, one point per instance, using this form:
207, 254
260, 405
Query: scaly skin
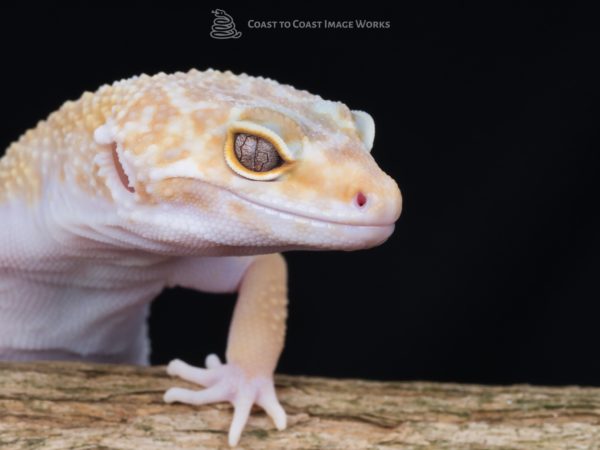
137, 187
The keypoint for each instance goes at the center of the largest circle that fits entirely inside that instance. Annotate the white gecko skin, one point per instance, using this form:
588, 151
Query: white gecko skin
191, 179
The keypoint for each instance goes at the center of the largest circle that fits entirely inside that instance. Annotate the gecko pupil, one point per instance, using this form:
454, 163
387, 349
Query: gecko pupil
255, 153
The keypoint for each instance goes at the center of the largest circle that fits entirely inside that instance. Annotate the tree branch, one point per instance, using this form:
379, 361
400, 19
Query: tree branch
84, 406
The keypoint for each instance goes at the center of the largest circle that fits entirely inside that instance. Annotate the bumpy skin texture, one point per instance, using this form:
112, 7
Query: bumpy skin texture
129, 190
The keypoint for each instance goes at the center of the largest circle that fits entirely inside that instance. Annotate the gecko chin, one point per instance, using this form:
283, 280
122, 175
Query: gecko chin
360, 237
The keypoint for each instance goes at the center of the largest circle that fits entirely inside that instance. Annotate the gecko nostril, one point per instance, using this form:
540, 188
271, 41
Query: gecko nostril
360, 199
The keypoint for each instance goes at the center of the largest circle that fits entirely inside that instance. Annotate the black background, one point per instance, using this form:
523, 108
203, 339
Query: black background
488, 120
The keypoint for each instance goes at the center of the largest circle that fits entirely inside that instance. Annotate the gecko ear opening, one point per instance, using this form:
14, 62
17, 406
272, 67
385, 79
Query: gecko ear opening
365, 126
104, 136
120, 169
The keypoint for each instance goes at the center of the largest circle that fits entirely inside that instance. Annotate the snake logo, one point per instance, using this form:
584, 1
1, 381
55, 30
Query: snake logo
223, 26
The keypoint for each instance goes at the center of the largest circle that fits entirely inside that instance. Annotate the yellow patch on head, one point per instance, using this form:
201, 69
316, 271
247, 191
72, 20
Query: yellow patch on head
172, 155
285, 127
184, 191
335, 176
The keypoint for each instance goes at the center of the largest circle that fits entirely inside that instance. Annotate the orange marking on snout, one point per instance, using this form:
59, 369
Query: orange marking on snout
336, 183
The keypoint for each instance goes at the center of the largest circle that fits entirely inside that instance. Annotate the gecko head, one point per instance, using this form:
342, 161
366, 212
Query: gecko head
245, 163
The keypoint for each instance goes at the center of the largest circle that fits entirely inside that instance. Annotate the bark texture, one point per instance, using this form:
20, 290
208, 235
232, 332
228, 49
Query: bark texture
63, 405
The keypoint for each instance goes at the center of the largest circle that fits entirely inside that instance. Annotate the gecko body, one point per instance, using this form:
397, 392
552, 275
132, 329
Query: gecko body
194, 179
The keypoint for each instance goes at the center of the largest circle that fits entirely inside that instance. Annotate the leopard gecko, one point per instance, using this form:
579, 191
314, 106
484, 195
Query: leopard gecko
196, 179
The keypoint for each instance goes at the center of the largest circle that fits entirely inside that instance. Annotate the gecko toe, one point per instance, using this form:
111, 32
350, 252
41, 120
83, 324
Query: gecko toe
212, 361
213, 394
267, 400
204, 377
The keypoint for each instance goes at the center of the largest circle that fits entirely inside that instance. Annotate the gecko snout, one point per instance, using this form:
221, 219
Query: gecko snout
380, 206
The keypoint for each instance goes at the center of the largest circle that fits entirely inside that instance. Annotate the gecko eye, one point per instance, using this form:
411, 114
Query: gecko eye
256, 152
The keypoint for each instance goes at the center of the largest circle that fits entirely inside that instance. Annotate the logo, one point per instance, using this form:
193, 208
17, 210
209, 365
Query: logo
223, 26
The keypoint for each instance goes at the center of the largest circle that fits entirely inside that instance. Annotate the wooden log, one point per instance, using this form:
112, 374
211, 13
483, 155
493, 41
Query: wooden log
60, 405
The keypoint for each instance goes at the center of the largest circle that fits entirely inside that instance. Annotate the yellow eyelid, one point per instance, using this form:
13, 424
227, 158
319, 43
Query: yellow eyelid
264, 133
243, 126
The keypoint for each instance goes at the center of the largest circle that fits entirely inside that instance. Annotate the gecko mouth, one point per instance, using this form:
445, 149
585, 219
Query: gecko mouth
308, 217
298, 215
293, 215
352, 236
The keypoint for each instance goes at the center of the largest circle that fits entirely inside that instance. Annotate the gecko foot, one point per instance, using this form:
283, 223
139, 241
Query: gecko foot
227, 382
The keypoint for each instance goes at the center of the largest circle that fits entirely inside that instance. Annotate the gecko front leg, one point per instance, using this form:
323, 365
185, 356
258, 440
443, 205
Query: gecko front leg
255, 342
